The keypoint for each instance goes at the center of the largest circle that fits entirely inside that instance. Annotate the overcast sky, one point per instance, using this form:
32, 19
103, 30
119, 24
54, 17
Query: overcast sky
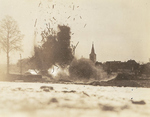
120, 29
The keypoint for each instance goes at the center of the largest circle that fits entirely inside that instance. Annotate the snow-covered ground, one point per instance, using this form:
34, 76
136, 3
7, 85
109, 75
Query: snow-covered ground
70, 100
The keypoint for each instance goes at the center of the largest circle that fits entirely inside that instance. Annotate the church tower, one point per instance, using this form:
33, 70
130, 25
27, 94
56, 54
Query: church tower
93, 55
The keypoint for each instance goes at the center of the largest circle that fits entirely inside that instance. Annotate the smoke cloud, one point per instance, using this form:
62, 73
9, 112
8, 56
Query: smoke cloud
85, 69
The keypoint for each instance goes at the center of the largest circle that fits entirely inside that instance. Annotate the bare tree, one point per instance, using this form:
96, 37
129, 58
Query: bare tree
10, 37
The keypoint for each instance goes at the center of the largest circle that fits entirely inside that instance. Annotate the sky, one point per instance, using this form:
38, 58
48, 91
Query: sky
119, 29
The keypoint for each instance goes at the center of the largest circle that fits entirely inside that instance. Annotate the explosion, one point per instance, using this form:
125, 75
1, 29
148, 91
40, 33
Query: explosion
56, 54
80, 70
58, 72
84, 69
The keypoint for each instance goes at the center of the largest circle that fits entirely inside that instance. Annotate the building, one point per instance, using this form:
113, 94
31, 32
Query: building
92, 55
131, 66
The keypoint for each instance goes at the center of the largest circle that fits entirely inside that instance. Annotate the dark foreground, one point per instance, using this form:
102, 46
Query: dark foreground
119, 80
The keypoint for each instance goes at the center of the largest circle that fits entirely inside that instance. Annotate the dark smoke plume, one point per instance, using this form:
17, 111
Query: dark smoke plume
63, 54
55, 49
84, 69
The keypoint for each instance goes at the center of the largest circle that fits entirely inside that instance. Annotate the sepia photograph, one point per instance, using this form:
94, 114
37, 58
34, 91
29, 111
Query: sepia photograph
74, 58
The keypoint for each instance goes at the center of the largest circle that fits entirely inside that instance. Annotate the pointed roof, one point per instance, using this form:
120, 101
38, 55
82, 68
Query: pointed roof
92, 50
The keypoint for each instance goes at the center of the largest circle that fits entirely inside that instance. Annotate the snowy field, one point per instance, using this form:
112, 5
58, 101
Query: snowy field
69, 100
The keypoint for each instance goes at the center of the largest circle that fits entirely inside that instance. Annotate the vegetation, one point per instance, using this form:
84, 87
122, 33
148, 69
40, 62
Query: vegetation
10, 37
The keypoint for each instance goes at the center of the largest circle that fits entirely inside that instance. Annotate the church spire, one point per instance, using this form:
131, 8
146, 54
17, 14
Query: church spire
93, 51
92, 55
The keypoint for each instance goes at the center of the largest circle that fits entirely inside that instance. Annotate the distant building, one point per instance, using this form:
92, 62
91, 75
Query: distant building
131, 66
92, 55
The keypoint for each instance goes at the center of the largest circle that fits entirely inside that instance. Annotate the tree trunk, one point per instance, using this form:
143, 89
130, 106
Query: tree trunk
7, 63
8, 53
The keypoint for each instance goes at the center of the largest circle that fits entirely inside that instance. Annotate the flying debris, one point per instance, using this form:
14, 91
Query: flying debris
72, 33
74, 47
74, 19
54, 18
80, 17
35, 23
39, 4
73, 7
77, 6
53, 6
77, 44
68, 17
84, 25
